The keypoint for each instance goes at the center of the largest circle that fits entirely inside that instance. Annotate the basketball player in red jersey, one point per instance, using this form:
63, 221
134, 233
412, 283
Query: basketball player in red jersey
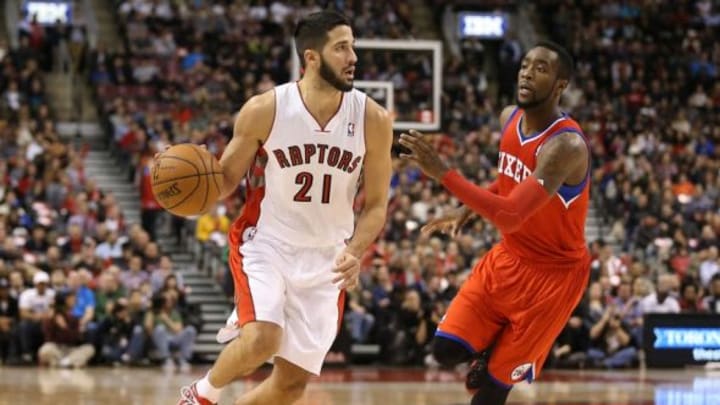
304, 147
522, 293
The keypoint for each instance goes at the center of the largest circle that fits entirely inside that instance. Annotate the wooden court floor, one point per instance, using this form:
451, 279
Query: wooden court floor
362, 386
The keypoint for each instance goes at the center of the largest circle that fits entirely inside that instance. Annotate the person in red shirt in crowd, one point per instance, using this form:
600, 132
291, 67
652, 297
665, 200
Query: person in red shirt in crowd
149, 207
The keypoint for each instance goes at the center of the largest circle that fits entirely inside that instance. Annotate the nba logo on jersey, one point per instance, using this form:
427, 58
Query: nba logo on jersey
351, 129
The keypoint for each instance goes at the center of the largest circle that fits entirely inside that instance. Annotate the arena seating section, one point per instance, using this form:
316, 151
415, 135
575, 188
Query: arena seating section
645, 92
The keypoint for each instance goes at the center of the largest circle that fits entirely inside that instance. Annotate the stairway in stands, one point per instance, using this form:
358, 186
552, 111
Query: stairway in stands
112, 176
596, 228
593, 225
205, 292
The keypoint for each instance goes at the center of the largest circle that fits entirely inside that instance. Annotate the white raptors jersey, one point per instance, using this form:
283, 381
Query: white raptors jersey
312, 172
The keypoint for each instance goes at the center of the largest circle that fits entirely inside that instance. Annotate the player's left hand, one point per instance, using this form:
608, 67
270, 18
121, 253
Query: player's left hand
423, 154
348, 268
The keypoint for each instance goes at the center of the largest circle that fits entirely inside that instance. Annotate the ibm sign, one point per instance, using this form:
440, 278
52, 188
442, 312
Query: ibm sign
482, 25
673, 340
48, 12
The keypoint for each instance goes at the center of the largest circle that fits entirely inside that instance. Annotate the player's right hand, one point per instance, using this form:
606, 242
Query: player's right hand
157, 155
348, 268
449, 224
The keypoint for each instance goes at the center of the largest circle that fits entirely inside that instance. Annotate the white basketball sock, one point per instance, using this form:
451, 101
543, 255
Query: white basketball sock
207, 391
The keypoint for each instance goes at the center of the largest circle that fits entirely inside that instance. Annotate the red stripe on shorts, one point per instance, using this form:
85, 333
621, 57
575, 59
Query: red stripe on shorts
243, 295
248, 218
341, 308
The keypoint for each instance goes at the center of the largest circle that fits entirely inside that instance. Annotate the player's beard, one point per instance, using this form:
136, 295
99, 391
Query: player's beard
333, 79
533, 102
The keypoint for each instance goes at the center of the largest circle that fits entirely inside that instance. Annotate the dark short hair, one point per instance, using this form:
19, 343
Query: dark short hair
311, 31
566, 66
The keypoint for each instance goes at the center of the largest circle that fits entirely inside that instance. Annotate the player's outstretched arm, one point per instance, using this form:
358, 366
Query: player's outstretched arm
452, 223
377, 170
562, 158
252, 127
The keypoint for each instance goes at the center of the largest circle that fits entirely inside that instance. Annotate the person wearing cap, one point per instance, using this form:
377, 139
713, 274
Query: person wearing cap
8, 320
35, 307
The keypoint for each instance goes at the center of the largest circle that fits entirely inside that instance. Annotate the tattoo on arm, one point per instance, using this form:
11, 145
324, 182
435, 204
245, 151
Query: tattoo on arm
561, 159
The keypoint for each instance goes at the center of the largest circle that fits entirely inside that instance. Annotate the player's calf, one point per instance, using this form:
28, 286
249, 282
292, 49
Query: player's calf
450, 352
477, 374
485, 389
242, 356
259, 342
291, 391
490, 392
286, 385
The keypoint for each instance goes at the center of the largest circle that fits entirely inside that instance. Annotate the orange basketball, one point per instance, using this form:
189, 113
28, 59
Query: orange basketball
186, 180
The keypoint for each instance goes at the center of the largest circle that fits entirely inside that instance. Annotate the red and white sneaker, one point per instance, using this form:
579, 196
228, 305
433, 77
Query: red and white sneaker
230, 331
190, 396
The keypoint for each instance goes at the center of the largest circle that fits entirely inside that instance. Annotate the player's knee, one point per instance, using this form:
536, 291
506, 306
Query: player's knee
264, 338
449, 353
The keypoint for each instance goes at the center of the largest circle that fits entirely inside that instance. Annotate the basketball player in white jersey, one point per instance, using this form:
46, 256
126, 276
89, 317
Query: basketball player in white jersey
295, 248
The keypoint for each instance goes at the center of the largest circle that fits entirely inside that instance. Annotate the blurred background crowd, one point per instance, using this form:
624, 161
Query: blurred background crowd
78, 284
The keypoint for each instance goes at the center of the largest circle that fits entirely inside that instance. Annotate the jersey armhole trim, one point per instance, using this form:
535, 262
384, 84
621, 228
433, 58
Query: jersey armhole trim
261, 147
275, 115
569, 192
510, 119
365, 120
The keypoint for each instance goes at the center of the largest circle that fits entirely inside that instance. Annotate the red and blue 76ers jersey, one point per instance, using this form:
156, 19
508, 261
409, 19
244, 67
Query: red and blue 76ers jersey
555, 235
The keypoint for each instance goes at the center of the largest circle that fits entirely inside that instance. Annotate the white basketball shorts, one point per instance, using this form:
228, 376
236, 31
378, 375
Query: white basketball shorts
291, 287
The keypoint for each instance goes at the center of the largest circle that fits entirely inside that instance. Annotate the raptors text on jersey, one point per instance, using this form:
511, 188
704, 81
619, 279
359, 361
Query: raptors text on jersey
306, 174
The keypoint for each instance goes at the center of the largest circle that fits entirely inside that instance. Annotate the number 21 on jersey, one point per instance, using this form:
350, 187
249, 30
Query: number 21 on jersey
305, 181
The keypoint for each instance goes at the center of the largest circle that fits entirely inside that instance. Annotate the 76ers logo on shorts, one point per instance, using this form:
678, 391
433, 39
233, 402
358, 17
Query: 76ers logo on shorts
522, 371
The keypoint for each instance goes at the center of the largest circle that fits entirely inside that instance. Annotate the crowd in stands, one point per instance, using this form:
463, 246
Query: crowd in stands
645, 93
186, 68
648, 99
77, 283
647, 110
